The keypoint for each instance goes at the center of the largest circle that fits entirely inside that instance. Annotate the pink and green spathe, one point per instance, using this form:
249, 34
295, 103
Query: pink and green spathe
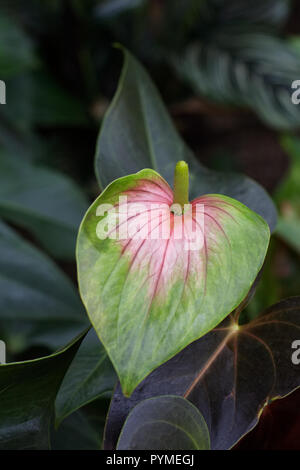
148, 294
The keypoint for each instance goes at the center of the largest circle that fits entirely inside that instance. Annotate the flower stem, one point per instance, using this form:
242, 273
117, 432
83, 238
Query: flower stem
181, 184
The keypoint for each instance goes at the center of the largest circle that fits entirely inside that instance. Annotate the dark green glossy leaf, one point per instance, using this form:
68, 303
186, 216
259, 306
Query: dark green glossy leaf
90, 376
164, 423
76, 433
43, 201
230, 375
138, 133
28, 391
83, 429
38, 303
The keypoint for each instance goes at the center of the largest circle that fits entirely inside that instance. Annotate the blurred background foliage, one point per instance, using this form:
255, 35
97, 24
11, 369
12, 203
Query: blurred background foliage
224, 69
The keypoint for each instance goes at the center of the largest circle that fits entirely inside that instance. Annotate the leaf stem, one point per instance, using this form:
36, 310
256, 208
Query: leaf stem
181, 184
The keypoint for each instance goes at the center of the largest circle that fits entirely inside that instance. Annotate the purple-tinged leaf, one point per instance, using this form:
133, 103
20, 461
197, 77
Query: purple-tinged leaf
164, 423
230, 374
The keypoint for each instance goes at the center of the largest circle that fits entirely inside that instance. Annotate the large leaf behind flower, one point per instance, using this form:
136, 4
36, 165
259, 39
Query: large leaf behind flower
149, 298
38, 303
45, 202
138, 133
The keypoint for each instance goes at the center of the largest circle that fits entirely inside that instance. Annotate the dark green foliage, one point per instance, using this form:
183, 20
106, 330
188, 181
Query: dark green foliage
224, 69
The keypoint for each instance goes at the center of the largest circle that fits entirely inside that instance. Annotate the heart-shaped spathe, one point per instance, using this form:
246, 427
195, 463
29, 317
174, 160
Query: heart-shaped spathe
150, 291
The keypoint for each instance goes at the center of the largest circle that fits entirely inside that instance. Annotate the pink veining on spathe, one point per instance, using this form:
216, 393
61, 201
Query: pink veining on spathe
158, 240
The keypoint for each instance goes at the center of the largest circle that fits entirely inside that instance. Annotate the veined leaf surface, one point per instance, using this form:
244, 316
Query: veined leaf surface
148, 297
89, 377
28, 391
230, 374
164, 423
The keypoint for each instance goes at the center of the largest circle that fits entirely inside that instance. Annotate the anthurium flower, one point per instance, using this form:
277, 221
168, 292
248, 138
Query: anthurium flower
157, 272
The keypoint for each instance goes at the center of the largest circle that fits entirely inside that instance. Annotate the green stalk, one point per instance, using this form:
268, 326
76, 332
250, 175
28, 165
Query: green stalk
181, 184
